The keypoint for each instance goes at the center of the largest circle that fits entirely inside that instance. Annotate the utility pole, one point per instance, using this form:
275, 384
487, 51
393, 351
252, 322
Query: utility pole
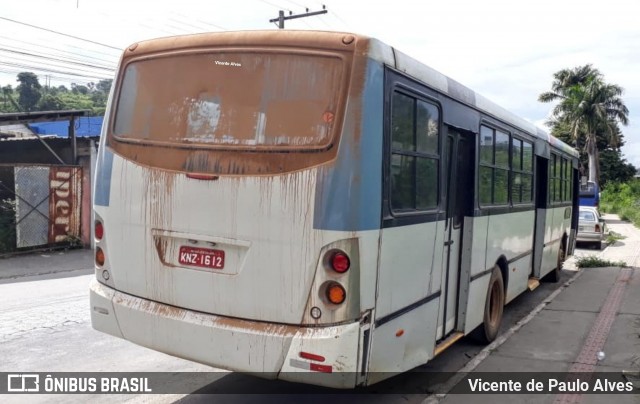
281, 17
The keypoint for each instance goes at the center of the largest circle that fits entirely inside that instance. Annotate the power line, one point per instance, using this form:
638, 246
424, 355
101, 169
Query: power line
54, 77
297, 4
281, 17
158, 29
181, 31
28, 64
49, 65
202, 21
273, 5
62, 50
334, 14
322, 20
36, 68
199, 29
60, 33
109, 16
110, 69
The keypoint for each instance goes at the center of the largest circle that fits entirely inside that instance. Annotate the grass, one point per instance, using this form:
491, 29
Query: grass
592, 261
623, 200
612, 237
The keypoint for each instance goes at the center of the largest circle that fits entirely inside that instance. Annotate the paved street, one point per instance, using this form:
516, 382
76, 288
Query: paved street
45, 327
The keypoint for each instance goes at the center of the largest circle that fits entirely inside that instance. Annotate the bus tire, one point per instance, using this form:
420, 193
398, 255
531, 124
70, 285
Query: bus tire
554, 276
493, 308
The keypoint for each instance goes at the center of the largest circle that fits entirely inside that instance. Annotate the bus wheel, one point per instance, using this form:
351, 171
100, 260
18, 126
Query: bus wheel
493, 307
554, 276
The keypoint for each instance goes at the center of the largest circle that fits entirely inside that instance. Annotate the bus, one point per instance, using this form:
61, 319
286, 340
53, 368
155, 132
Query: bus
316, 207
589, 194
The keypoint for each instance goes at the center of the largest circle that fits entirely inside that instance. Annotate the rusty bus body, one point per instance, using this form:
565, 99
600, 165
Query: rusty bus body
283, 203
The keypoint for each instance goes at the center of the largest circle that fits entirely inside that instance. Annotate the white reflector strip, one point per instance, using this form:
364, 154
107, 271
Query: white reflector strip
296, 363
313, 367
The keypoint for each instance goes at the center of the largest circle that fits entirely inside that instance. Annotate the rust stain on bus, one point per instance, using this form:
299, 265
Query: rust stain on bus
205, 319
154, 148
257, 327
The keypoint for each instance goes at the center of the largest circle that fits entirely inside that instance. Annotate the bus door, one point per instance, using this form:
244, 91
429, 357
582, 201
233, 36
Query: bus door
458, 193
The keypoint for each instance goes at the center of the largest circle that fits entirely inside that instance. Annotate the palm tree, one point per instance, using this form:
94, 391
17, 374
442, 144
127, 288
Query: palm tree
587, 104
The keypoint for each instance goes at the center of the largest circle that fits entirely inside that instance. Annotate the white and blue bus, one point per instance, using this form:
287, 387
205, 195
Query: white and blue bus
316, 206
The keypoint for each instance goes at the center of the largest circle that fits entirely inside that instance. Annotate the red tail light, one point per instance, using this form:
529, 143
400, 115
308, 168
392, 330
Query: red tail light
340, 262
597, 228
99, 230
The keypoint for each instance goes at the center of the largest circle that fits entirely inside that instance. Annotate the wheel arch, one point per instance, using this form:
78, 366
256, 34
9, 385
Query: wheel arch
503, 264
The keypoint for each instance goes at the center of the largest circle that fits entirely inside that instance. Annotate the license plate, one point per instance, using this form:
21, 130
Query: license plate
201, 257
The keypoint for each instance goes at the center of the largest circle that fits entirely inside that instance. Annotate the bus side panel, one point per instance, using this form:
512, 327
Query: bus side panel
540, 237
349, 193
510, 236
478, 275
403, 343
409, 278
556, 225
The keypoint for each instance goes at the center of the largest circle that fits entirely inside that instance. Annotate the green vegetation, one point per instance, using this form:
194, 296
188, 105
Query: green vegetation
7, 225
623, 200
592, 261
587, 116
30, 96
612, 237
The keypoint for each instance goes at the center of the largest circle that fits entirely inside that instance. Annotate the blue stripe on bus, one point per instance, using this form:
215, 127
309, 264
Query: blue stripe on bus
103, 177
349, 193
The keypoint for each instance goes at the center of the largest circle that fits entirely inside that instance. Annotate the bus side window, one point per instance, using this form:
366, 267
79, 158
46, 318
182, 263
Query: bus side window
494, 167
414, 154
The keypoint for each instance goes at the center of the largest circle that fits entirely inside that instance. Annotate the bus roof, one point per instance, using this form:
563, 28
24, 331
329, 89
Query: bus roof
412, 67
377, 50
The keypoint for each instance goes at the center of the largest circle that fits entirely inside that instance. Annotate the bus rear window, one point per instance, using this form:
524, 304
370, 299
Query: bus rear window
588, 190
230, 99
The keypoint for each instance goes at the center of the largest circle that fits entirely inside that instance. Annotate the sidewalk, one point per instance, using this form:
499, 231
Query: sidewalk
46, 263
597, 310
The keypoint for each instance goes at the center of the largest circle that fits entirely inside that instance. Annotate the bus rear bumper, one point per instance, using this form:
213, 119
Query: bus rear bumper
262, 349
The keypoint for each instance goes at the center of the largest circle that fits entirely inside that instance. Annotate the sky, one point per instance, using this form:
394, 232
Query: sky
507, 51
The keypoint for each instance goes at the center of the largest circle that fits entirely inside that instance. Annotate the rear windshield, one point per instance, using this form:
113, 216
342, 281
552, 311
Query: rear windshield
589, 216
588, 190
242, 99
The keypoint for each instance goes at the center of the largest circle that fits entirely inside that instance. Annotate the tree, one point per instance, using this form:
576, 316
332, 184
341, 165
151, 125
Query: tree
9, 104
104, 86
29, 90
50, 102
588, 106
615, 169
612, 166
79, 89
